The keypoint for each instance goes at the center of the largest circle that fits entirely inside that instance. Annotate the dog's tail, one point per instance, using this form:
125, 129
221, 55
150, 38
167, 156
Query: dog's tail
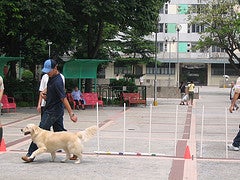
87, 133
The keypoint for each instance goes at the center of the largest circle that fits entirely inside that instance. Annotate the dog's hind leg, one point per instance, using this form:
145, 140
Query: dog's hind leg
53, 154
79, 155
67, 156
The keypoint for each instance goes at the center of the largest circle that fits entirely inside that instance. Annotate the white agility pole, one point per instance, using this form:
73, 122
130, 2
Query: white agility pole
202, 132
226, 126
150, 130
124, 126
98, 139
175, 139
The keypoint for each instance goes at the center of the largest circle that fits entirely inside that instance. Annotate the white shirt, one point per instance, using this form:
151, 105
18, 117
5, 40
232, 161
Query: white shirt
1, 83
43, 85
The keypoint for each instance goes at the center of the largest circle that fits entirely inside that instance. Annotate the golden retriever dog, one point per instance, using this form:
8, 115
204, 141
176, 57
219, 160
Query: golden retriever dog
48, 141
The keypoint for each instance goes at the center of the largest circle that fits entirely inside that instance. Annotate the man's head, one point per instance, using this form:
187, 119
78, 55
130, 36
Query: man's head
50, 67
76, 88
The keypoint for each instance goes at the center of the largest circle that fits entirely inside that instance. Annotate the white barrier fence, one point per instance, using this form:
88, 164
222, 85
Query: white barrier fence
202, 126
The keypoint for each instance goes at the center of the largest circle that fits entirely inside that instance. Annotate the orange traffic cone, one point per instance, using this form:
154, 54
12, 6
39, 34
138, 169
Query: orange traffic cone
2, 146
187, 154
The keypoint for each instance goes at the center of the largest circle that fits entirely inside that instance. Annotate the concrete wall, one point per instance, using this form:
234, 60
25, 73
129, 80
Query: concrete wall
168, 92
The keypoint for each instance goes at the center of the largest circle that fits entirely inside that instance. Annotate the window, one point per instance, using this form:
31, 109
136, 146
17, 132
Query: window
218, 69
166, 8
166, 27
161, 69
195, 28
197, 8
160, 46
217, 49
165, 47
160, 27
122, 70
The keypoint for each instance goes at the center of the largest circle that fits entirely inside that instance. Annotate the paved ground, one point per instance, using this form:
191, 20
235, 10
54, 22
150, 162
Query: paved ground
154, 142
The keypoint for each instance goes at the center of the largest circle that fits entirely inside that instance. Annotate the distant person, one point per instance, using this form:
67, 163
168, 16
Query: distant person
236, 141
232, 92
182, 90
191, 88
117, 77
141, 80
78, 98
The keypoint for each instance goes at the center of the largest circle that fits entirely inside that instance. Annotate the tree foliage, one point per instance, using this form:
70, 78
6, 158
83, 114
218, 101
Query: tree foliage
221, 22
83, 27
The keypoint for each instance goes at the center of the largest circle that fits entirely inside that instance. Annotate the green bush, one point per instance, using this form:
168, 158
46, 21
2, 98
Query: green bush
27, 75
22, 90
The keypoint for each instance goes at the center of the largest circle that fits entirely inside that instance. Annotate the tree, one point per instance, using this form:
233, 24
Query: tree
92, 20
44, 21
136, 49
10, 21
79, 26
27, 26
220, 19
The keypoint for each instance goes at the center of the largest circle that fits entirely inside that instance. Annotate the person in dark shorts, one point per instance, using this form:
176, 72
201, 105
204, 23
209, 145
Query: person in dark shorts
55, 101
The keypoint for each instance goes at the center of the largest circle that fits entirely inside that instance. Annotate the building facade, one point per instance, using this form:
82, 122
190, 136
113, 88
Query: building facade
175, 40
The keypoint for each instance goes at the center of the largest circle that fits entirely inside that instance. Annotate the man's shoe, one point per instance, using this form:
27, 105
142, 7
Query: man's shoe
74, 157
27, 159
233, 148
237, 108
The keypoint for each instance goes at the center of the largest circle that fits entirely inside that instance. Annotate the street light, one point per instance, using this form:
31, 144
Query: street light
49, 48
155, 103
169, 40
178, 28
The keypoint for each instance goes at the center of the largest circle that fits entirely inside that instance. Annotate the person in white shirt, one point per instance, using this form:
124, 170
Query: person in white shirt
232, 92
42, 89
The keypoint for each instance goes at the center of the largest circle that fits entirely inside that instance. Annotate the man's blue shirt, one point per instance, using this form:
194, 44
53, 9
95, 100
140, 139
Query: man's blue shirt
55, 92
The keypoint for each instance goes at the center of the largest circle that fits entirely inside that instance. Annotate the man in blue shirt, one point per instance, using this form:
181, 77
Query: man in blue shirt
55, 101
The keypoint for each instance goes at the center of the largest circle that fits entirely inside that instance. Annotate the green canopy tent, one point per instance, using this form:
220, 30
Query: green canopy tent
82, 68
4, 60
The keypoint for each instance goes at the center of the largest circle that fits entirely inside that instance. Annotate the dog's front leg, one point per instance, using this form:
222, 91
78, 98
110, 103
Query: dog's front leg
37, 152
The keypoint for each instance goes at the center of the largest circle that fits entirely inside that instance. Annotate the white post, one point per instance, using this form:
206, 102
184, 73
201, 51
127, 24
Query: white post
202, 132
226, 126
98, 139
124, 125
176, 127
150, 130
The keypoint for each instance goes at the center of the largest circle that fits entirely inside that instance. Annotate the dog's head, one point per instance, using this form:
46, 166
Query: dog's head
30, 129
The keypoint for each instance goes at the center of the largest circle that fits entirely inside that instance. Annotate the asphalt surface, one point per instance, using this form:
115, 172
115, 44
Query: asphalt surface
137, 142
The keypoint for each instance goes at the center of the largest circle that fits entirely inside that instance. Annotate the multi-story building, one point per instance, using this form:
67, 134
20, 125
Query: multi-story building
178, 61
